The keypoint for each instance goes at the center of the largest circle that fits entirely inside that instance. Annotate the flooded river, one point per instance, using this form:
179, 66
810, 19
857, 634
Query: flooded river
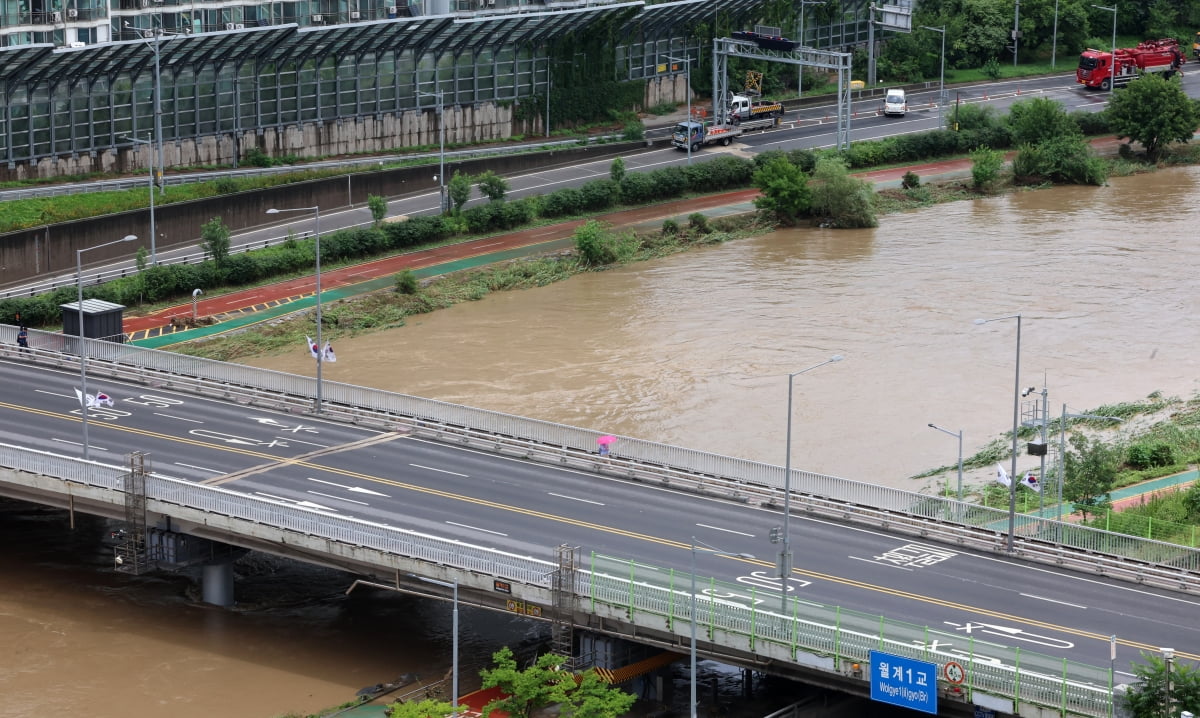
691, 350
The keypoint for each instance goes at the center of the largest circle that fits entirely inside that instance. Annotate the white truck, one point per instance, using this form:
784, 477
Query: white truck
744, 108
698, 134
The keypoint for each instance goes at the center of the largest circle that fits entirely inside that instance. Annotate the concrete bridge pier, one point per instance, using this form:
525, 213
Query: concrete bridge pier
217, 582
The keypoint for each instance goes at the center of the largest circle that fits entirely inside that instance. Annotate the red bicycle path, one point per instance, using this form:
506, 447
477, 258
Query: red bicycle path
246, 300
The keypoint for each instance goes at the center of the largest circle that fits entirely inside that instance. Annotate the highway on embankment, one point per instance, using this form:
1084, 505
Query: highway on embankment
530, 508
812, 126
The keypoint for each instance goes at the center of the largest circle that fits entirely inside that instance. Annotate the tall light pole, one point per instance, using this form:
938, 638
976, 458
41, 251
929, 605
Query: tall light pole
454, 638
1112, 61
1012, 477
718, 552
153, 233
800, 39
1168, 655
958, 434
442, 141
941, 81
1054, 39
1016, 30
158, 135
785, 550
688, 80
83, 352
320, 347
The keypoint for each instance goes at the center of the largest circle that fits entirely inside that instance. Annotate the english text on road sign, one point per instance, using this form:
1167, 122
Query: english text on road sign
904, 682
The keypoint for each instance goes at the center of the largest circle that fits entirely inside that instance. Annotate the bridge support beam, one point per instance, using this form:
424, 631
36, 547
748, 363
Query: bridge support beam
217, 583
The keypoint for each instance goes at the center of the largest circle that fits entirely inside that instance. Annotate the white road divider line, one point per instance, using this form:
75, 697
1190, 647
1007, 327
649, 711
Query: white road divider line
574, 498
476, 528
440, 471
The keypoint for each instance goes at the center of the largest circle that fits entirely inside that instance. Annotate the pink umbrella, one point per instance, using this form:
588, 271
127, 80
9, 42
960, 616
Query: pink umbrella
606, 440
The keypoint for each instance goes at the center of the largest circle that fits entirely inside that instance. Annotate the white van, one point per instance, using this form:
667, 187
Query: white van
895, 104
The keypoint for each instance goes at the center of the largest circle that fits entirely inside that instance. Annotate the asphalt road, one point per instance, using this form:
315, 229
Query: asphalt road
810, 127
530, 508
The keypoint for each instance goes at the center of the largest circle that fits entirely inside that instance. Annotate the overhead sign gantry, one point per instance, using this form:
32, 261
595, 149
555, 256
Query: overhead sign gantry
726, 47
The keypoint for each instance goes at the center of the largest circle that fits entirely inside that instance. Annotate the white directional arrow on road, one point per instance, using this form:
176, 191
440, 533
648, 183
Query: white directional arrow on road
355, 489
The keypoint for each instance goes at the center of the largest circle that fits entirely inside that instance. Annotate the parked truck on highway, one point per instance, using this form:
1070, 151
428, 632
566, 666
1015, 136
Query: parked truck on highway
1099, 69
698, 134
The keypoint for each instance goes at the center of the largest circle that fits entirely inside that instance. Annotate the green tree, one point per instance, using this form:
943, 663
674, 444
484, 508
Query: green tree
784, 190
1090, 469
544, 684
534, 688
842, 200
599, 246
1039, 119
214, 240
1148, 698
428, 708
378, 207
1153, 111
616, 171
492, 185
459, 189
985, 167
141, 258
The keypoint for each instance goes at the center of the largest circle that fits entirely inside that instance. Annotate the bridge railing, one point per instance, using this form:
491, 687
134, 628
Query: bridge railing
835, 638
732, 615
741, 478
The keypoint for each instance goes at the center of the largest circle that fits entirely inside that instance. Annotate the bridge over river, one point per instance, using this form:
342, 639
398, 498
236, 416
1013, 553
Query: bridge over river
204, 459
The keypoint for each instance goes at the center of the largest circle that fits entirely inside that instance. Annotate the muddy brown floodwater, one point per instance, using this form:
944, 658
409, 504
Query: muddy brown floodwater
693, 350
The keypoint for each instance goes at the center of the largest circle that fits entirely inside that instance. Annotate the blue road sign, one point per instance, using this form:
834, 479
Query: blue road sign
904, 682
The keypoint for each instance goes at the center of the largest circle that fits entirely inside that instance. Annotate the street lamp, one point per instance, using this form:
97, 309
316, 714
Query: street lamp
454, 638
442, 151
320, 347
941, 80
688, 80
153, 234
1012, 477
1016, 30
1168, 655
158, 33
83, 352
785, 551
1112, 61
1054, 40
800, 39
959, 435
717, 552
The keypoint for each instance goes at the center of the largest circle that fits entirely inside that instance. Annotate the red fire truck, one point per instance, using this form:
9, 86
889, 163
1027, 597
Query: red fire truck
1098, 68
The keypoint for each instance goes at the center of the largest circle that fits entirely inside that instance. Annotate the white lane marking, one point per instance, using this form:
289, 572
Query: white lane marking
1051, 600
80, 443
880, 563
476, 528
728, 531
199, 468
178, 418
53, 393
338, 498
305, 504
355, 489
441, 471
574, 498
294, 440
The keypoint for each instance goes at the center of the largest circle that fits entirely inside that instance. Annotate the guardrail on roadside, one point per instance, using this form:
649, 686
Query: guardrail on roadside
1042, 540
827, 638
91, 278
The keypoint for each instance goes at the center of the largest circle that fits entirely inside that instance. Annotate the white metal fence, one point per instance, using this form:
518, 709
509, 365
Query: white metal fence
727, 614
691, 468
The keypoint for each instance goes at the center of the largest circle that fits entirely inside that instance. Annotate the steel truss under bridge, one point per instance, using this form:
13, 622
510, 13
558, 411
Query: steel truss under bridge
726, 47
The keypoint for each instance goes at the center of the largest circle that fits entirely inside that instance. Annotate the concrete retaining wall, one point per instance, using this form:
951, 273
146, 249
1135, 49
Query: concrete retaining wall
27, 254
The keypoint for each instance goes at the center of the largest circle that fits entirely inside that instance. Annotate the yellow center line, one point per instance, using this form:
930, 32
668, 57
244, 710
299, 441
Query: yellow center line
601, 528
